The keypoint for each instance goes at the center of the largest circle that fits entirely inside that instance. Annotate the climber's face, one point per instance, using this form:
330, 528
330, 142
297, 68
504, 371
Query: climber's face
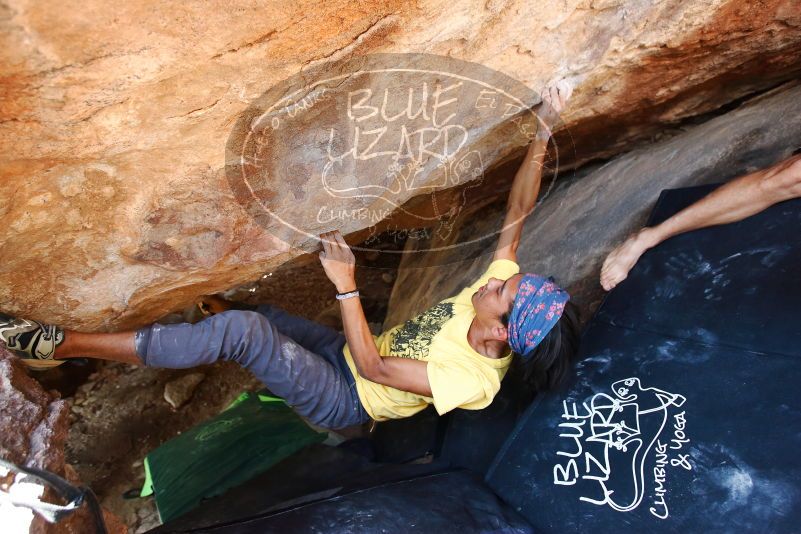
494, 299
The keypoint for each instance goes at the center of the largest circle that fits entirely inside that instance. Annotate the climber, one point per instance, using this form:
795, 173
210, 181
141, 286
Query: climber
453, 355
732, 202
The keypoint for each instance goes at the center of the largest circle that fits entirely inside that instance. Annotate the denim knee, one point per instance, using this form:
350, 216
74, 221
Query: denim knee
242, 319
245, 335
237, 335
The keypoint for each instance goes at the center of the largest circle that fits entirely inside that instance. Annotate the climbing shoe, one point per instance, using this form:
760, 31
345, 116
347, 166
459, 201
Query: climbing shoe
32, 341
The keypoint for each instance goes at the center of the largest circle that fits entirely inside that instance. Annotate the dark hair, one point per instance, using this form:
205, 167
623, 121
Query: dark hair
550, 364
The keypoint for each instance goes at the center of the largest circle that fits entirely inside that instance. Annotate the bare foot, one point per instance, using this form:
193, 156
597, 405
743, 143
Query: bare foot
621, 260
554, 99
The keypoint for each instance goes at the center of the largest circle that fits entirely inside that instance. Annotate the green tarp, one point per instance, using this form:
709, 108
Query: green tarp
254, 433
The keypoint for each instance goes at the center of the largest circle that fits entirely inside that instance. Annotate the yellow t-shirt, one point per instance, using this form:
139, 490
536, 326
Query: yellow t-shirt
459, 376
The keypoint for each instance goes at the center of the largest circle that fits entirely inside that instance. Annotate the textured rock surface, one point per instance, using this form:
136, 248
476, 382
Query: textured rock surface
179, 391
115, 118
571, 232
33, 431
32, 419
120, 415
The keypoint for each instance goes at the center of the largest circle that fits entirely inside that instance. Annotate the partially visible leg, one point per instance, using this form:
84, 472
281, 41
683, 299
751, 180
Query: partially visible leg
305, 380
734, 201
118, 347
211, 304
308, 334
783, 181
229, 335
41, 345
315, 388
319, 339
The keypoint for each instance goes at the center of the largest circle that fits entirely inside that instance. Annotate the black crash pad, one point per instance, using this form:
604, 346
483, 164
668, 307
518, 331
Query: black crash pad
454, 502
737, 284
684, 413
315, 473
724, 413
404, 440
474, 437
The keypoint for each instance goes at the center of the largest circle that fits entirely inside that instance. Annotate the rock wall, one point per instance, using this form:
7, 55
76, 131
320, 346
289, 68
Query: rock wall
586, 215
115, 117
33, 431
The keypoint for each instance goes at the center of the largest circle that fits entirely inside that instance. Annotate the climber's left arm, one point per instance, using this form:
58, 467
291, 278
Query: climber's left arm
526, 185
522, 199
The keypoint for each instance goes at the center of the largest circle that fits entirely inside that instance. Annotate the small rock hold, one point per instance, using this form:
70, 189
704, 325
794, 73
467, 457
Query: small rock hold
179, 391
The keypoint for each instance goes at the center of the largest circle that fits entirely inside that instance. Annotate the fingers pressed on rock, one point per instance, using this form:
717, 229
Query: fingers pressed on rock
565, 89
326, 243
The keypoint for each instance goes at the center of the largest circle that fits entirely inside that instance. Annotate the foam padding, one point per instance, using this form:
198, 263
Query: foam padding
474, 437
684, 413
737, 284
448, 502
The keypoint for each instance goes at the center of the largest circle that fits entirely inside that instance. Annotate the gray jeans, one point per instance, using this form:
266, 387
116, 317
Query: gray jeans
297, 359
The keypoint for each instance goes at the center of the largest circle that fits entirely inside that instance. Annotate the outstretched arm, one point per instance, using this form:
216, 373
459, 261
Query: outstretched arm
526, 185
734, 201
400, 373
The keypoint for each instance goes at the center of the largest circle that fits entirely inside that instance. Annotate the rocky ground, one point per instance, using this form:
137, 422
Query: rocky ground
118, 413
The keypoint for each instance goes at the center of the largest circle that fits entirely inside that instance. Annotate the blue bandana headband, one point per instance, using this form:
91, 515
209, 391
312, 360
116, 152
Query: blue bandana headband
538, 305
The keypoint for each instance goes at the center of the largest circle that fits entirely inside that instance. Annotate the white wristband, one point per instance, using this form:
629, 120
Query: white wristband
343, 296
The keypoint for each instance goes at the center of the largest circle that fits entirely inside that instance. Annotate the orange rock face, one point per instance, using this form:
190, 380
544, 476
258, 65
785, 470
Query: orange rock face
115, 120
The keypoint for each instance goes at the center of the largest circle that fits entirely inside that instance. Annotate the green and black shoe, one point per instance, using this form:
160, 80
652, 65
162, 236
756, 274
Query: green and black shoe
32, 341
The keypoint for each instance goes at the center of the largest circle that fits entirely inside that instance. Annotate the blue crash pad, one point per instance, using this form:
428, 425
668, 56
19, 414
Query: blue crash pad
737, 285
684, 413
